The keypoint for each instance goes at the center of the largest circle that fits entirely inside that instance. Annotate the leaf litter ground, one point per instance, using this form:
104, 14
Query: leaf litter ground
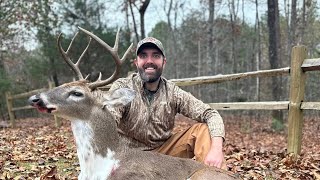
38, 150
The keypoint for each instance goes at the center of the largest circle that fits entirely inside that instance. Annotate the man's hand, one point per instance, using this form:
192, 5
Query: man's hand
215, 156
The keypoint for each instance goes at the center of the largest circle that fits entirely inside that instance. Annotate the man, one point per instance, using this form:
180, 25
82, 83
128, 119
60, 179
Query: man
147, 122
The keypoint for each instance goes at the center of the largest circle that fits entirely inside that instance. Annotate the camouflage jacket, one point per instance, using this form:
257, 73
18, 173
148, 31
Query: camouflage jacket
147, 124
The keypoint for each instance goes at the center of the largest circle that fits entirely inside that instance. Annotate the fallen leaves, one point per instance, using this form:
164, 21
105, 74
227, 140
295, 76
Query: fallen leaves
51, 174
38, 150
259, 153
35, 151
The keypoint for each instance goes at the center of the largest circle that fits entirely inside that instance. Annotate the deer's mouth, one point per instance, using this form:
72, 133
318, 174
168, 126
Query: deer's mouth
47, 110
44, 109
38, 103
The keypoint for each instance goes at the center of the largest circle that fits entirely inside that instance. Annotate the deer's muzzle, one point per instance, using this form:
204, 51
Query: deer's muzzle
38, 103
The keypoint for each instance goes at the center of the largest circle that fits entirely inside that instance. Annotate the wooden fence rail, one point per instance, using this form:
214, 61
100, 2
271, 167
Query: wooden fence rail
10, 99
299, 66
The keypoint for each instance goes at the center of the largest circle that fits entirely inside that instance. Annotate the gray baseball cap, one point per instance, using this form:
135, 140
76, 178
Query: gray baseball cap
150, 42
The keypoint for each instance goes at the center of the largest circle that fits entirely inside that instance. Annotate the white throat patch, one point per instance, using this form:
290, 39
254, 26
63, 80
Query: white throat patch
92, 165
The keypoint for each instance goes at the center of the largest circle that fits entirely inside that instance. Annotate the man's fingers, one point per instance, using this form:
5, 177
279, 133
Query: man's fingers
211, 164
218, 164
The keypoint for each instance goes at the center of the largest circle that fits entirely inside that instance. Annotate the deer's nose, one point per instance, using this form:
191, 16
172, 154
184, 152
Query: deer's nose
33, 100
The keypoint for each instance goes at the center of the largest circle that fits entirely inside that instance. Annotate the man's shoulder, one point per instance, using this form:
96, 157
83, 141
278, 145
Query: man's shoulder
169, 84
125, 81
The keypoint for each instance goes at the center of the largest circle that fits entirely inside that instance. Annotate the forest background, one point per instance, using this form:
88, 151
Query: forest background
201, 38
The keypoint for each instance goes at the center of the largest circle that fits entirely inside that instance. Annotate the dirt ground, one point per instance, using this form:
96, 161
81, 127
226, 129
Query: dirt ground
38, 150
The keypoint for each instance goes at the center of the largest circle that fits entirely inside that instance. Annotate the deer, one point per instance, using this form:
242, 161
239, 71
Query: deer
101, 152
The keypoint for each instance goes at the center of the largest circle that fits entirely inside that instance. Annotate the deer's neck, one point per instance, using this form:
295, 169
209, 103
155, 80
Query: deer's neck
97, 144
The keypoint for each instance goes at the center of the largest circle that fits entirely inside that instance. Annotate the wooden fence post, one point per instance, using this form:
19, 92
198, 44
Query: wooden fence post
57, 120
10, 106
297, 89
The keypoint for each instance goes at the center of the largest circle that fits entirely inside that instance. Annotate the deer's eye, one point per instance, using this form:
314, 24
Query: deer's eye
76, 93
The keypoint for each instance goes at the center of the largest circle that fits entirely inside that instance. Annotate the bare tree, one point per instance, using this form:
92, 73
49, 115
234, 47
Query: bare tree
142, 11
172, 8
233, 15
293, 24
210, 31
142, 7
258, 55
168, 11
134, 21
274, 51
211, 44
171, 42
304, 22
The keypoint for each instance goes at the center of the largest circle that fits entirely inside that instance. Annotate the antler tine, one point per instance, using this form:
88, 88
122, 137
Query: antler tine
83, 53
127, 52
72, 40
116, 42
114, 53
100, 76
74, 66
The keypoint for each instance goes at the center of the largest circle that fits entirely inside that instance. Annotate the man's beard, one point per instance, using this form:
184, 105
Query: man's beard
150, 78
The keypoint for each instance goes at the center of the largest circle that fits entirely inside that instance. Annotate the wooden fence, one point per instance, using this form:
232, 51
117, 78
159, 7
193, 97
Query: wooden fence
296, 105
10, 99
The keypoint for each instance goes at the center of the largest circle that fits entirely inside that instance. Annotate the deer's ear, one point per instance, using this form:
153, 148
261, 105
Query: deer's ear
119, 97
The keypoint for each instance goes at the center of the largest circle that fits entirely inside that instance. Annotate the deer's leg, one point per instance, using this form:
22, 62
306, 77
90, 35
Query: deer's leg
192, 142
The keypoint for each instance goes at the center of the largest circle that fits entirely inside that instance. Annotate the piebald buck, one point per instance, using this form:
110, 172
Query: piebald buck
101, 152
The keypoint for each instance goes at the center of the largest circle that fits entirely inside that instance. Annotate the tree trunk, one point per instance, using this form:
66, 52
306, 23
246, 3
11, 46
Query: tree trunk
168, 13
258, 56
210, 38
134, 21
142, 11
303, 23
232, 20
127, 14
293, 24
274, 52
210, 50
173, 50
54, 75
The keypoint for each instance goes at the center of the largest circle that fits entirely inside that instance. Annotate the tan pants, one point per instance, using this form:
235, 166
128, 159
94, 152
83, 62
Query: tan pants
192, 142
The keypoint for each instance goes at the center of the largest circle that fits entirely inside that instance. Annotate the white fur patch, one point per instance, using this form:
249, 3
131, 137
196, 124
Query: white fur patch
93, 166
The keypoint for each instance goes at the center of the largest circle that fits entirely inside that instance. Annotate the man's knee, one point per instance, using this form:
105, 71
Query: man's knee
201, 129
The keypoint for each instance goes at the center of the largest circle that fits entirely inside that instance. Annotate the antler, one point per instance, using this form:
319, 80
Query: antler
65, 55
114, 52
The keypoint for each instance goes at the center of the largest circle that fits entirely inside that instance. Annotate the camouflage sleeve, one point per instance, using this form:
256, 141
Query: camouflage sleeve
195, 109
215, 124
